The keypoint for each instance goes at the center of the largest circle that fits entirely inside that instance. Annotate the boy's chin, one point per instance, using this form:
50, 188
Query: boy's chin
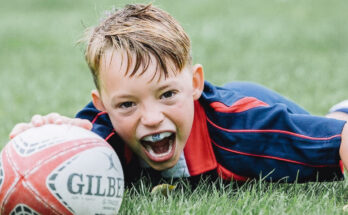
160, 166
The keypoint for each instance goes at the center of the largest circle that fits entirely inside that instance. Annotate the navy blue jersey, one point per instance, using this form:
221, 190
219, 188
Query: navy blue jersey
244, 131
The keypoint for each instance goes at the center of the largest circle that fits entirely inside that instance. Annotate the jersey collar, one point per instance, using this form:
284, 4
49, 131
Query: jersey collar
198, 150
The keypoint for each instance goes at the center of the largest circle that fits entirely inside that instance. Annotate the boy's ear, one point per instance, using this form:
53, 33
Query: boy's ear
97, 101
197, 81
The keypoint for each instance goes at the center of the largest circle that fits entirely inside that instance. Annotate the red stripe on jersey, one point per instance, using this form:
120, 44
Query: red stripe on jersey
198, 150
228, 175
273, 157
97, 116
241, 105
128, 154
272, 131
341, 166
110, 135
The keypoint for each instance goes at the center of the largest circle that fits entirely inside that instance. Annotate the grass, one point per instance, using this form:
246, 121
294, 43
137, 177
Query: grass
298, 48
254, 197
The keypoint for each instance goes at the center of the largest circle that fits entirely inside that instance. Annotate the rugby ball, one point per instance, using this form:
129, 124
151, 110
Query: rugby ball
59, 169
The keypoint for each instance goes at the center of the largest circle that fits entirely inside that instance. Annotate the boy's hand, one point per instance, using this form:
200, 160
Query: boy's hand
52, 118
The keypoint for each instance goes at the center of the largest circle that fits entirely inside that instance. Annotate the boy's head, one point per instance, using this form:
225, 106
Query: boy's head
141, 64
140, 31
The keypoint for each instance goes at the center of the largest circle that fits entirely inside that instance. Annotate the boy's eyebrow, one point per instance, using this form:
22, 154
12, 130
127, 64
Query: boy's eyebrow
120, 96
163, 87
168, 84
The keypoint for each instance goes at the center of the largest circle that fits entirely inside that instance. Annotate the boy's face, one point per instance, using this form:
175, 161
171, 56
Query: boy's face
152, 114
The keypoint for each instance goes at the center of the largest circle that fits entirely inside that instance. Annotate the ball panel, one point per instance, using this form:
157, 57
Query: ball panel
22, 194
2, 173
37, 139
10, 177
30, 163
23, 209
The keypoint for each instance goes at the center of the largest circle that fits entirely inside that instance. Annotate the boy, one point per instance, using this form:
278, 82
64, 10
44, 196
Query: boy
154, 107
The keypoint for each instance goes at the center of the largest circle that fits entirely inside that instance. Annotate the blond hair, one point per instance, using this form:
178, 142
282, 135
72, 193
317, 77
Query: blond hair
141, 31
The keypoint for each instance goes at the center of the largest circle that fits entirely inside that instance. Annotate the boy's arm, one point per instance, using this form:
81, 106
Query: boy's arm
344, 146
264, 132
89, 118
100, 120
52, 118
344, 137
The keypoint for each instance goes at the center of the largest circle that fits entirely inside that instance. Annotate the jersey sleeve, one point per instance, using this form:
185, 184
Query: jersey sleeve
100, 120
257, 132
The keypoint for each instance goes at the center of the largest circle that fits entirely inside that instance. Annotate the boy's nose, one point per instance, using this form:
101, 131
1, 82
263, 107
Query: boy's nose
151, 117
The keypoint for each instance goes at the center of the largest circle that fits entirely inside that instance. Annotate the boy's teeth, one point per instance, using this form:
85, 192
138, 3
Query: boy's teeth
157, 137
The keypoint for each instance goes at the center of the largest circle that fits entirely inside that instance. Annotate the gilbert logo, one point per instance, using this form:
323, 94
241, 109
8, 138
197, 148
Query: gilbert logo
102, 182
96, 185
91, 185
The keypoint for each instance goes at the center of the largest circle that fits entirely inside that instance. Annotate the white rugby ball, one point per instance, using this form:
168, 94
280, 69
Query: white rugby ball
59, 169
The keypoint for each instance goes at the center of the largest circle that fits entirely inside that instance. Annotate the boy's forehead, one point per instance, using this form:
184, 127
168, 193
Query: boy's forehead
114, 60
118, 61
114, 79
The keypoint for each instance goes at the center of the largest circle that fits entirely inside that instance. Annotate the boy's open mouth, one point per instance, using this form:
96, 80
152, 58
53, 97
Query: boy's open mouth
159, 147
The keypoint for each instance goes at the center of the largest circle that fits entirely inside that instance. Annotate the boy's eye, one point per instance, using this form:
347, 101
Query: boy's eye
167, 94
126, 105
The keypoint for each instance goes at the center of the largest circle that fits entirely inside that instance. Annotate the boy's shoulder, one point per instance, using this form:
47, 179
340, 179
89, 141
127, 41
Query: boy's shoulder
244, 95
100, 120
236, 90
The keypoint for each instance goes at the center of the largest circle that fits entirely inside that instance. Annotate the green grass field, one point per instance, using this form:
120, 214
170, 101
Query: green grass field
298, 48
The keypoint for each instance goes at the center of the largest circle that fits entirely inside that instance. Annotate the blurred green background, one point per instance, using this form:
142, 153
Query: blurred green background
298, 48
